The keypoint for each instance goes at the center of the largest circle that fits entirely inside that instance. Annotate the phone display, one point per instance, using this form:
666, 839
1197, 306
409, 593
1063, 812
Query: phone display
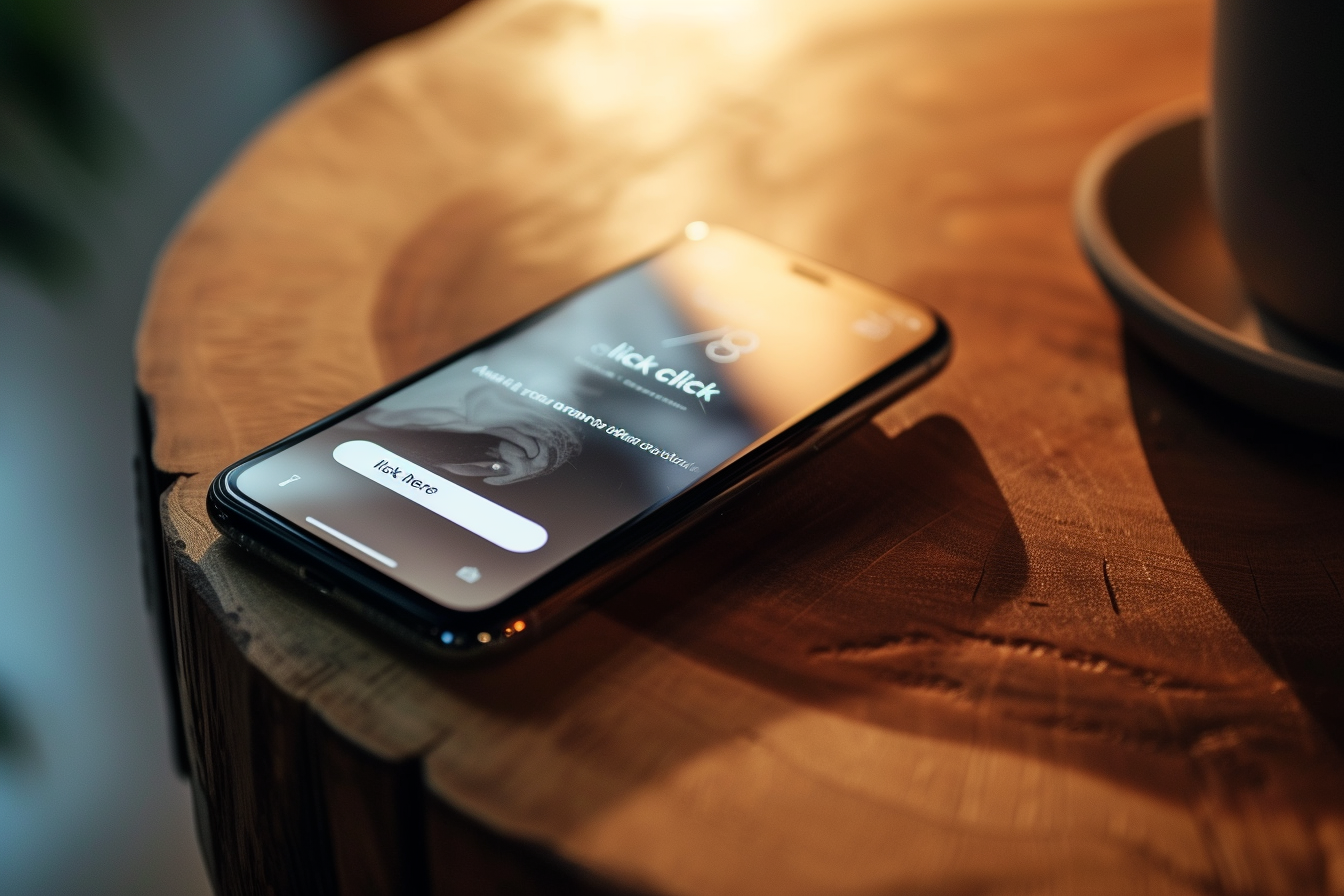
477, 479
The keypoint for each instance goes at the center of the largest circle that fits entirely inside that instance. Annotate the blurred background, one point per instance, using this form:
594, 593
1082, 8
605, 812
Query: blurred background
114, 115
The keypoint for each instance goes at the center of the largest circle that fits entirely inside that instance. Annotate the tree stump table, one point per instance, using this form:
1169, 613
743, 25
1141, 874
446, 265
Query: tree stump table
1057, 622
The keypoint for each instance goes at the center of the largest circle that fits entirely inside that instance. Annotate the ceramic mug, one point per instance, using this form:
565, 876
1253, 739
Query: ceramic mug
1276, 154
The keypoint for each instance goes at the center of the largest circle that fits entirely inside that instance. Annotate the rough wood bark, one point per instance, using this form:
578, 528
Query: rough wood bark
1057, 622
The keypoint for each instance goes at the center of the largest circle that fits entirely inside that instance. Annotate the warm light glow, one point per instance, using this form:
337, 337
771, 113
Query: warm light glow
619, 74
719, 278
483, 637
632, 13
519, 625
697, 230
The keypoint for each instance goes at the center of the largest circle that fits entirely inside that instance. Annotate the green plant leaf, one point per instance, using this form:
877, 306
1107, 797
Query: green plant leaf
18, 747
38, 244
61, 133
47, 76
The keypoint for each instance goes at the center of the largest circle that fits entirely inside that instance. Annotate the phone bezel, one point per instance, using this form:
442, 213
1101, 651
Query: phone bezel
404, 611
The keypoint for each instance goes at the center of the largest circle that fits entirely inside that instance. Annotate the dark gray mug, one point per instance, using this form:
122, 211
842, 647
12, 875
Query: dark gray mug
1276, 154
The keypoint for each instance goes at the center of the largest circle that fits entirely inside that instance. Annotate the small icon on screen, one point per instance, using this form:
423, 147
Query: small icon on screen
293, 478
469, 574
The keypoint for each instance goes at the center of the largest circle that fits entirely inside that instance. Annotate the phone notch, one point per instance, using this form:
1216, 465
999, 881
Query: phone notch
803, 270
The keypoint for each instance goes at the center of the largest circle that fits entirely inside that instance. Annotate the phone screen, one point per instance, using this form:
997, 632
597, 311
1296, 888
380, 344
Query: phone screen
481, 476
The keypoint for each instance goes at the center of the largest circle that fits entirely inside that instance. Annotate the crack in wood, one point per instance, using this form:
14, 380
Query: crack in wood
1333, 583
893, 648
1110, 586
989, 555
1224, 720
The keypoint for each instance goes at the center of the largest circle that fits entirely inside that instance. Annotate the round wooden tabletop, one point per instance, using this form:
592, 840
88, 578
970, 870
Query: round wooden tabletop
1058, 622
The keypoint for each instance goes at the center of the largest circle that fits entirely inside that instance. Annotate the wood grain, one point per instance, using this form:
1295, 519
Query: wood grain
1059, 622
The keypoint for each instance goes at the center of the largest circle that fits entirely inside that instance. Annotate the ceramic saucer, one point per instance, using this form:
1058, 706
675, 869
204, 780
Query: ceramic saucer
1147, 226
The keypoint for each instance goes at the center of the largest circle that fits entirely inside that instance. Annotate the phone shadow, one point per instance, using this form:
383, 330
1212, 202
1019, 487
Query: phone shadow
857, 582
1259, 507
866, 567
885, 582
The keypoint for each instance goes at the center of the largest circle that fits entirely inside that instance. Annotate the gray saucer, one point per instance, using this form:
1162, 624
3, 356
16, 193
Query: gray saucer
1146, 224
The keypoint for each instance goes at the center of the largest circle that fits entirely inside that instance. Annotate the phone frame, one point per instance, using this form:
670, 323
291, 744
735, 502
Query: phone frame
411, 616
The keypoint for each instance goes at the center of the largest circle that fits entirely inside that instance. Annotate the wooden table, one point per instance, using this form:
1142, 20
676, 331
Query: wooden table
1058, 622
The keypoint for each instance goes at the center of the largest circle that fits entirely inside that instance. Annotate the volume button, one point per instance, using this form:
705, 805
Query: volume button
867, 410
832, 432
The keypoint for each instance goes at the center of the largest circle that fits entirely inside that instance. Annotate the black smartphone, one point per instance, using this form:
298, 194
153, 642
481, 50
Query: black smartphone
468, 505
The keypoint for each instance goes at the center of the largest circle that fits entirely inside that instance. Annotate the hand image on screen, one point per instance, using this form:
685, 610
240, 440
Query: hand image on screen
476, 429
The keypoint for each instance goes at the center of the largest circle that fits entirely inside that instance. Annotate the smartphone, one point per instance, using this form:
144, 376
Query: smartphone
471, 504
